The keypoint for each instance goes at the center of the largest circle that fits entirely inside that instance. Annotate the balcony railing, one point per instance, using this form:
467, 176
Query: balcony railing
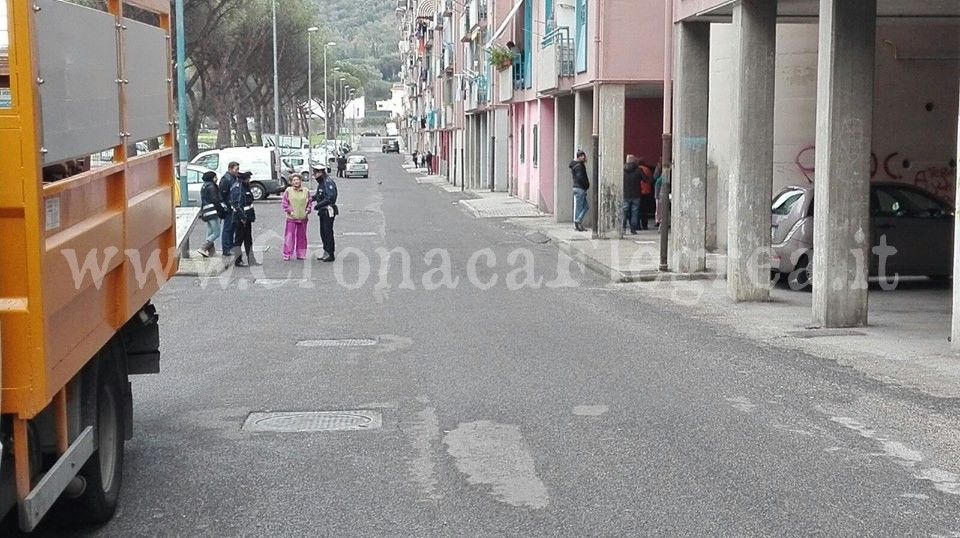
565, 55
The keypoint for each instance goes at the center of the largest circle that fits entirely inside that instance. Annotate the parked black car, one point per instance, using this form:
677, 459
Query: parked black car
391, 146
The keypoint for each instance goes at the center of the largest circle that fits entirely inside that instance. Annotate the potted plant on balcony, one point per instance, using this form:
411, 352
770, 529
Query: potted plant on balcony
500, 57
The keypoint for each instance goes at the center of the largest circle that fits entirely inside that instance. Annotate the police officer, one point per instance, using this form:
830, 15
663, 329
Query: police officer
211, 212
325, 201
226, 182
241, 199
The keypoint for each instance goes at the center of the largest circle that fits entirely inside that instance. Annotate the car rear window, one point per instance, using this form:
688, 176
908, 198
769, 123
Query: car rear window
784, 202
356, 159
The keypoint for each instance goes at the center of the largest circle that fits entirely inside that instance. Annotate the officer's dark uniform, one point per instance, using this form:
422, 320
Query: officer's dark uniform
226, 235
325, 201
241, 198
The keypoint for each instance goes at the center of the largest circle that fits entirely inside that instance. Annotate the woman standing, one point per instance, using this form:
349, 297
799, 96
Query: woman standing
296, 204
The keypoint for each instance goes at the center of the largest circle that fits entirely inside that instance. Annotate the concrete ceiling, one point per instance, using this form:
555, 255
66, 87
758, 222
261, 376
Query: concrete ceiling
802, 10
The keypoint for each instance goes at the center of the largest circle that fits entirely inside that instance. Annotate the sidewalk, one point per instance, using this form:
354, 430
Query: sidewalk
635, 258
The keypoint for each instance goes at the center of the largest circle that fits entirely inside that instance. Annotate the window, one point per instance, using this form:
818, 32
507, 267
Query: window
536, 145
785, 202
523, 145
6, 98
919, 204
580, 37
886, 204
193, 176
209, 161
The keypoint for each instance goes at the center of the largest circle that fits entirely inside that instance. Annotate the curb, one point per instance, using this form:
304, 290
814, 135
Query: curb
623, 277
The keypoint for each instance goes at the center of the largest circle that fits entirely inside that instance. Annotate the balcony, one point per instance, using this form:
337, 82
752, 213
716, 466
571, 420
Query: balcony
505, 84
555, 59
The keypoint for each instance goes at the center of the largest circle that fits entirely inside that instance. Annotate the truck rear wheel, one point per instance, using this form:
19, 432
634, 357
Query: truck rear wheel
102, 474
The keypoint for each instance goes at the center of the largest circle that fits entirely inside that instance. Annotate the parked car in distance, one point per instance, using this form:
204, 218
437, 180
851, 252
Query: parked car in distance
263, 162
391, 145
357, 166
914, 222
194, 181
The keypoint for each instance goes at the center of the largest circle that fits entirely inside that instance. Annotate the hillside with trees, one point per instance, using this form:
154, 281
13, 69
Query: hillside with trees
230, 62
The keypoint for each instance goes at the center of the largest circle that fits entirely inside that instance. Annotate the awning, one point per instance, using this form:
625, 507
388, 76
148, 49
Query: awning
426, 9
503, 25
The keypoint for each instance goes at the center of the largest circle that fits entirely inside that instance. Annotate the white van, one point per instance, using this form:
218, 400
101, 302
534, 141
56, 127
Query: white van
263, 163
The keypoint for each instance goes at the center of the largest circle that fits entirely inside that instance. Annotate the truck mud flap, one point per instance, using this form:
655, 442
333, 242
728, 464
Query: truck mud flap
141, 342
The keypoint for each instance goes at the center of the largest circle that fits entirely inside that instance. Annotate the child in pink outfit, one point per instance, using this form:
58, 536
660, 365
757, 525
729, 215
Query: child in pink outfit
296, 204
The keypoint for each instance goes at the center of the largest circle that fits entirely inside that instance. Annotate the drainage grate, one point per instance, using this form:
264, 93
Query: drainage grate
338, 342
313, 421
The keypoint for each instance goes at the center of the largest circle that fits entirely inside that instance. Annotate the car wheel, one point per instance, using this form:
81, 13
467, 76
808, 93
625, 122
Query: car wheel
801, 278
366, 176
259, 193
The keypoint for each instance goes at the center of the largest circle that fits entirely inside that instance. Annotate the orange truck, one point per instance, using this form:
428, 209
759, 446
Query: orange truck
88, 235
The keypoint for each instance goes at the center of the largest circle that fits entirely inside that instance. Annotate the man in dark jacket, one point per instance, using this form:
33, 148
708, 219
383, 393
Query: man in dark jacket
226, 182
647, 203
241, 200
341, 165
211, 212
581, 184
325, 202
632, 180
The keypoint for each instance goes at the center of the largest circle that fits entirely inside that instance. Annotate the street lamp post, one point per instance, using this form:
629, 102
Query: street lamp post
326, 103
340, 105
276, 81
310, 32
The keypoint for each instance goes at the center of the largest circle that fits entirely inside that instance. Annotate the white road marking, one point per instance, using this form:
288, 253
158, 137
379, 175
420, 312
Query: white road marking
423, 434
742, 404
590, 410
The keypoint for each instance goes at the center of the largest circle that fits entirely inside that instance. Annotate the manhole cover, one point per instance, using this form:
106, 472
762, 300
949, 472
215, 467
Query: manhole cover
313, 421
338, 342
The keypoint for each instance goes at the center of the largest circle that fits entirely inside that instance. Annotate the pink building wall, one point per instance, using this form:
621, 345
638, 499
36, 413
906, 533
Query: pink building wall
631, 41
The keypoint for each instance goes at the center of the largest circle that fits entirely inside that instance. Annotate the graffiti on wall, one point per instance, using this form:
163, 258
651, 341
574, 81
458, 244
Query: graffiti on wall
938, 180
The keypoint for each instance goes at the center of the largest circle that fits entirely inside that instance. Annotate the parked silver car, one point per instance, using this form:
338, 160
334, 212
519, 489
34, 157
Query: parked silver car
918, 225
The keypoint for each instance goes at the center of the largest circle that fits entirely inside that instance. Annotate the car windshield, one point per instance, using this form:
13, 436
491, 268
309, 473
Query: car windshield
905, 202
784, 202
356, 159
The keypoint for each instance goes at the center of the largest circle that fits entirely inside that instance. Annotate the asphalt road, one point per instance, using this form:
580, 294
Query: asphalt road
563, 410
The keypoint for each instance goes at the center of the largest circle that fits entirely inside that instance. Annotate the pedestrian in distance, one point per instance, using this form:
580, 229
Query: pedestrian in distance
325, 202
657, 186
296, 204
414, 155
581, 184
429, 160
632, 193
241, 199
226, 183
212, 211
647, 201
341, 165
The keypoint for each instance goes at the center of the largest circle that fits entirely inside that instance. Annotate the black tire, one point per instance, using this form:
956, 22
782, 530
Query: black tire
103, 472
366, 176
801, 278
258, 191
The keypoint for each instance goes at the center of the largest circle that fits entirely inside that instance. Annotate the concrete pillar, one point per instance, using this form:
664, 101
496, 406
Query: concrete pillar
583, 139
748, 235
841, 232
955, 328
564, 152
501, 150
688, 216
610, 183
